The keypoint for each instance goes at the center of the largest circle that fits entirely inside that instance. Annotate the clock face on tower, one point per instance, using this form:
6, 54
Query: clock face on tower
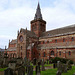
21, 38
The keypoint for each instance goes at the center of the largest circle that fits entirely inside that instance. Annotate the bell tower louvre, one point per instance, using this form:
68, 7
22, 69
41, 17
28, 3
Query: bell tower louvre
38, 25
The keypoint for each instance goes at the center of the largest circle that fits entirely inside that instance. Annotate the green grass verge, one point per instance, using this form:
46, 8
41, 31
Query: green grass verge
70, 72
53, 72
2, 69
47, 72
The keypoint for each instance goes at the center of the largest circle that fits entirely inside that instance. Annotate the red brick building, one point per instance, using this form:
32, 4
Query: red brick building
41, 44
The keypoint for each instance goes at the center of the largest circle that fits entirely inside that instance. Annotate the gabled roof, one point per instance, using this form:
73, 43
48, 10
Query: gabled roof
13, 41
29, 33
60, 31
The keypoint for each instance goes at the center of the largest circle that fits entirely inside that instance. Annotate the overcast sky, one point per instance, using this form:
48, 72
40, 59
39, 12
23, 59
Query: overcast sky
16, 14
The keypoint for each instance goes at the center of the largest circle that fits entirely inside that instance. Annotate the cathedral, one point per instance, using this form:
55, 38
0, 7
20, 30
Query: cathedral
38, 43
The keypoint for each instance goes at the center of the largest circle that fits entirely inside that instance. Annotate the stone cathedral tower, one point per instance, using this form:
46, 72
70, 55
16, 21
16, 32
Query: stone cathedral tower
27, 40
38, 25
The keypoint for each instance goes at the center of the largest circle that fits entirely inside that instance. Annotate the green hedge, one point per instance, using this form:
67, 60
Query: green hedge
63, 60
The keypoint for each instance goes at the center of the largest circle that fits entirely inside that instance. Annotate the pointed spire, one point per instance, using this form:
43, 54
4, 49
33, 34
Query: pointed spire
38, 14
5, 47
26, 29
9, 40
18, 32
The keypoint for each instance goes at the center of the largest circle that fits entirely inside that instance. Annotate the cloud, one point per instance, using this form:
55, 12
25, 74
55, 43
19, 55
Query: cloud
60, 15
16, 14
4, 40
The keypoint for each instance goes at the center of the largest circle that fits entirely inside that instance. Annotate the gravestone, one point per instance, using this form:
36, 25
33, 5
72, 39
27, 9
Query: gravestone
5, 61
47, 61
12, 64
21, 70
59, 66
42, 68
34, 61
39, 63
74, 74
25, 60
19, 61
69, 67
28, 62
8, 71
1, 63
38, 72
29, 70
64, 68
74, 63
50, 62
54, 65
58, 73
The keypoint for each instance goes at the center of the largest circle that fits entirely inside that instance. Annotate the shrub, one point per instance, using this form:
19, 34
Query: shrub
63, 60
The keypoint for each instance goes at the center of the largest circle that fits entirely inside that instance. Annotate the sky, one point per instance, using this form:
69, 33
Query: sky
17, 14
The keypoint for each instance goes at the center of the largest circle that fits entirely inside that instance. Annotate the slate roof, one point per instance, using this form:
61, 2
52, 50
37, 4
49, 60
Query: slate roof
29, 33
57, 45
2, 49
38, 14
11, 49
13, 41
60, 31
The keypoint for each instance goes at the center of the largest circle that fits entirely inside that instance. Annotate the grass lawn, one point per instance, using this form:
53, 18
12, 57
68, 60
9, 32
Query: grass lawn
53, 72
70, 72
2, 69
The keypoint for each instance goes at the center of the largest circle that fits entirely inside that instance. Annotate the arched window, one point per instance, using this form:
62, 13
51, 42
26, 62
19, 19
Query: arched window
39, 54
44, 54
11, 55
63, 40
14, 55
52, 52
21, 47
69, 53
59, 52
55, 41
72, 39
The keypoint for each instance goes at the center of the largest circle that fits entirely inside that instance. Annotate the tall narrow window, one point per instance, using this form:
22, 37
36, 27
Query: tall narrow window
69, 53
39, 54
52, 52
72, 39
63, 40
44, 54
59, 52
21, 47
55, 41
